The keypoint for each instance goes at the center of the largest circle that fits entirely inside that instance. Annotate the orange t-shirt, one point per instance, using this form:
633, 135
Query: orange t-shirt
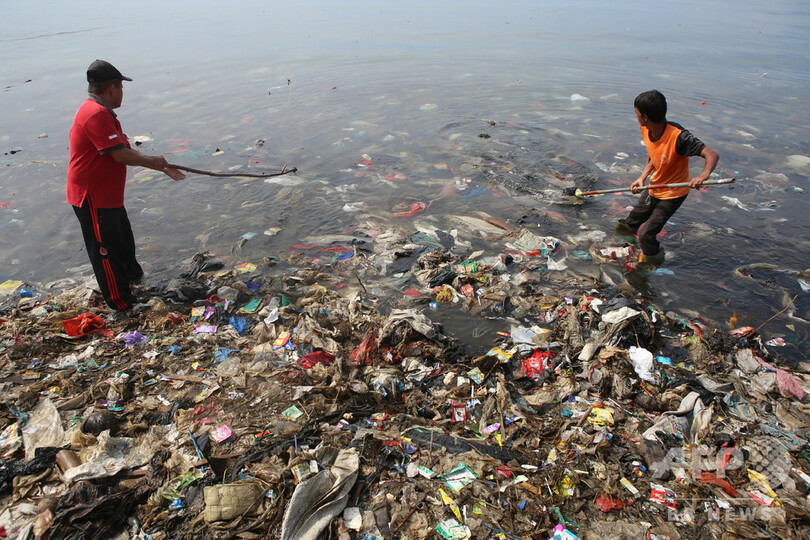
671, 166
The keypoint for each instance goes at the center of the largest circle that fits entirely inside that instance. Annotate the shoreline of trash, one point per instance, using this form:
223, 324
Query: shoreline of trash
255, 401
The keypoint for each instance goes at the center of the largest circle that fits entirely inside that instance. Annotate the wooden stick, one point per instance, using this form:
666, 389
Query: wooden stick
775, 316
707, 183
401, 523
585, 417
284, 170
186, 378
490, 372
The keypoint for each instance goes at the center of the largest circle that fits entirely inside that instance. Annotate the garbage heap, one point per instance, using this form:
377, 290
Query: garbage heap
245, 401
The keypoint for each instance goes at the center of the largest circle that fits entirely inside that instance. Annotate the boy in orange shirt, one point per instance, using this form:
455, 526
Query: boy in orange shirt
669, 147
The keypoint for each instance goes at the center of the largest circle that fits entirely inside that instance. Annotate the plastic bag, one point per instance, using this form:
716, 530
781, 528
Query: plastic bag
85, 324
361, 356
314, 358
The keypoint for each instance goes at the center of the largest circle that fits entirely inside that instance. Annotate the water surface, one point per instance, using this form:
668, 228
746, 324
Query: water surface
413, 86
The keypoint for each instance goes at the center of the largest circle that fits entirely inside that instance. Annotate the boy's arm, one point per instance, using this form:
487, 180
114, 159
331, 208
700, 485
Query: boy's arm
711, 158
645, 172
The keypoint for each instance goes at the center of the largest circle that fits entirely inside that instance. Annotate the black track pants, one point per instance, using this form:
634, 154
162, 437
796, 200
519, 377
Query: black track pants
649, 216
111, 247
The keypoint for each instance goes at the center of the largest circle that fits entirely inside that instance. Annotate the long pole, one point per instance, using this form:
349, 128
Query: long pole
284, 170
707, 183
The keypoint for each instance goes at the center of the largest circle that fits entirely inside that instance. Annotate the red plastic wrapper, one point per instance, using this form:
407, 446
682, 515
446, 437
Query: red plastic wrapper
459, 412
468, 290
314, 358
742, 332
411, 210
537, 363
709, 478
663, 496
389, 355
85, 324
361, 356
505, 471
606, 503
176, 318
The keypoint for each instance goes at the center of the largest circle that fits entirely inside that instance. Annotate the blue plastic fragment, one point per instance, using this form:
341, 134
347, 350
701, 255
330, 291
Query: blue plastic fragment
222, 354
238, 323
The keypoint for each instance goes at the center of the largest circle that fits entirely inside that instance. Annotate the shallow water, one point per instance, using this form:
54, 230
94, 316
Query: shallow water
414, 87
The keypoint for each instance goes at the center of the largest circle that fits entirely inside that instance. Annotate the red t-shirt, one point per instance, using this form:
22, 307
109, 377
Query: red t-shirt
92, 171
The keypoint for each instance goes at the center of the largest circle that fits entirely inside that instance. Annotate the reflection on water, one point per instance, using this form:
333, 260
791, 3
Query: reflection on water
462, 110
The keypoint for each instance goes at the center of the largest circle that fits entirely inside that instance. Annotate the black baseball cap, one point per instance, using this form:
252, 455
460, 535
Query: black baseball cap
100, 71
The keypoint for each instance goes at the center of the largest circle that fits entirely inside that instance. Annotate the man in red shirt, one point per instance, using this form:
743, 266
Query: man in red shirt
669, 147
97, 174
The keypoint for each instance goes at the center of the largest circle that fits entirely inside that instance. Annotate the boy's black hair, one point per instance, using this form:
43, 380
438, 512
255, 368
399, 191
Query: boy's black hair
653, 104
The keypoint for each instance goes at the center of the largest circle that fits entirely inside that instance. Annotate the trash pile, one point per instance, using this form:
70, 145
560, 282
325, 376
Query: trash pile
312, 396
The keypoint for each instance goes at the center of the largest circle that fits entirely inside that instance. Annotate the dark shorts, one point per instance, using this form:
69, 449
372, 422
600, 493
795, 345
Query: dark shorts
111, 247
648, 218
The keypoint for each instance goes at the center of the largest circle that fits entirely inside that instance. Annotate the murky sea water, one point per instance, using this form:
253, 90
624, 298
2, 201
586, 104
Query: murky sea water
467, 107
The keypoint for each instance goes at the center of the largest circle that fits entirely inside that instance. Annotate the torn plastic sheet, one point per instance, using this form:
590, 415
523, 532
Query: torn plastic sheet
668, 424
108, 457
643, 363
88, 511
739, 407
746, 361
530, 242
790, 439
556, 265
789, 385
44, 458
696, 413
713, 386
455, 445
410, 317
620, 315
44, 429
318, 499
525, 338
